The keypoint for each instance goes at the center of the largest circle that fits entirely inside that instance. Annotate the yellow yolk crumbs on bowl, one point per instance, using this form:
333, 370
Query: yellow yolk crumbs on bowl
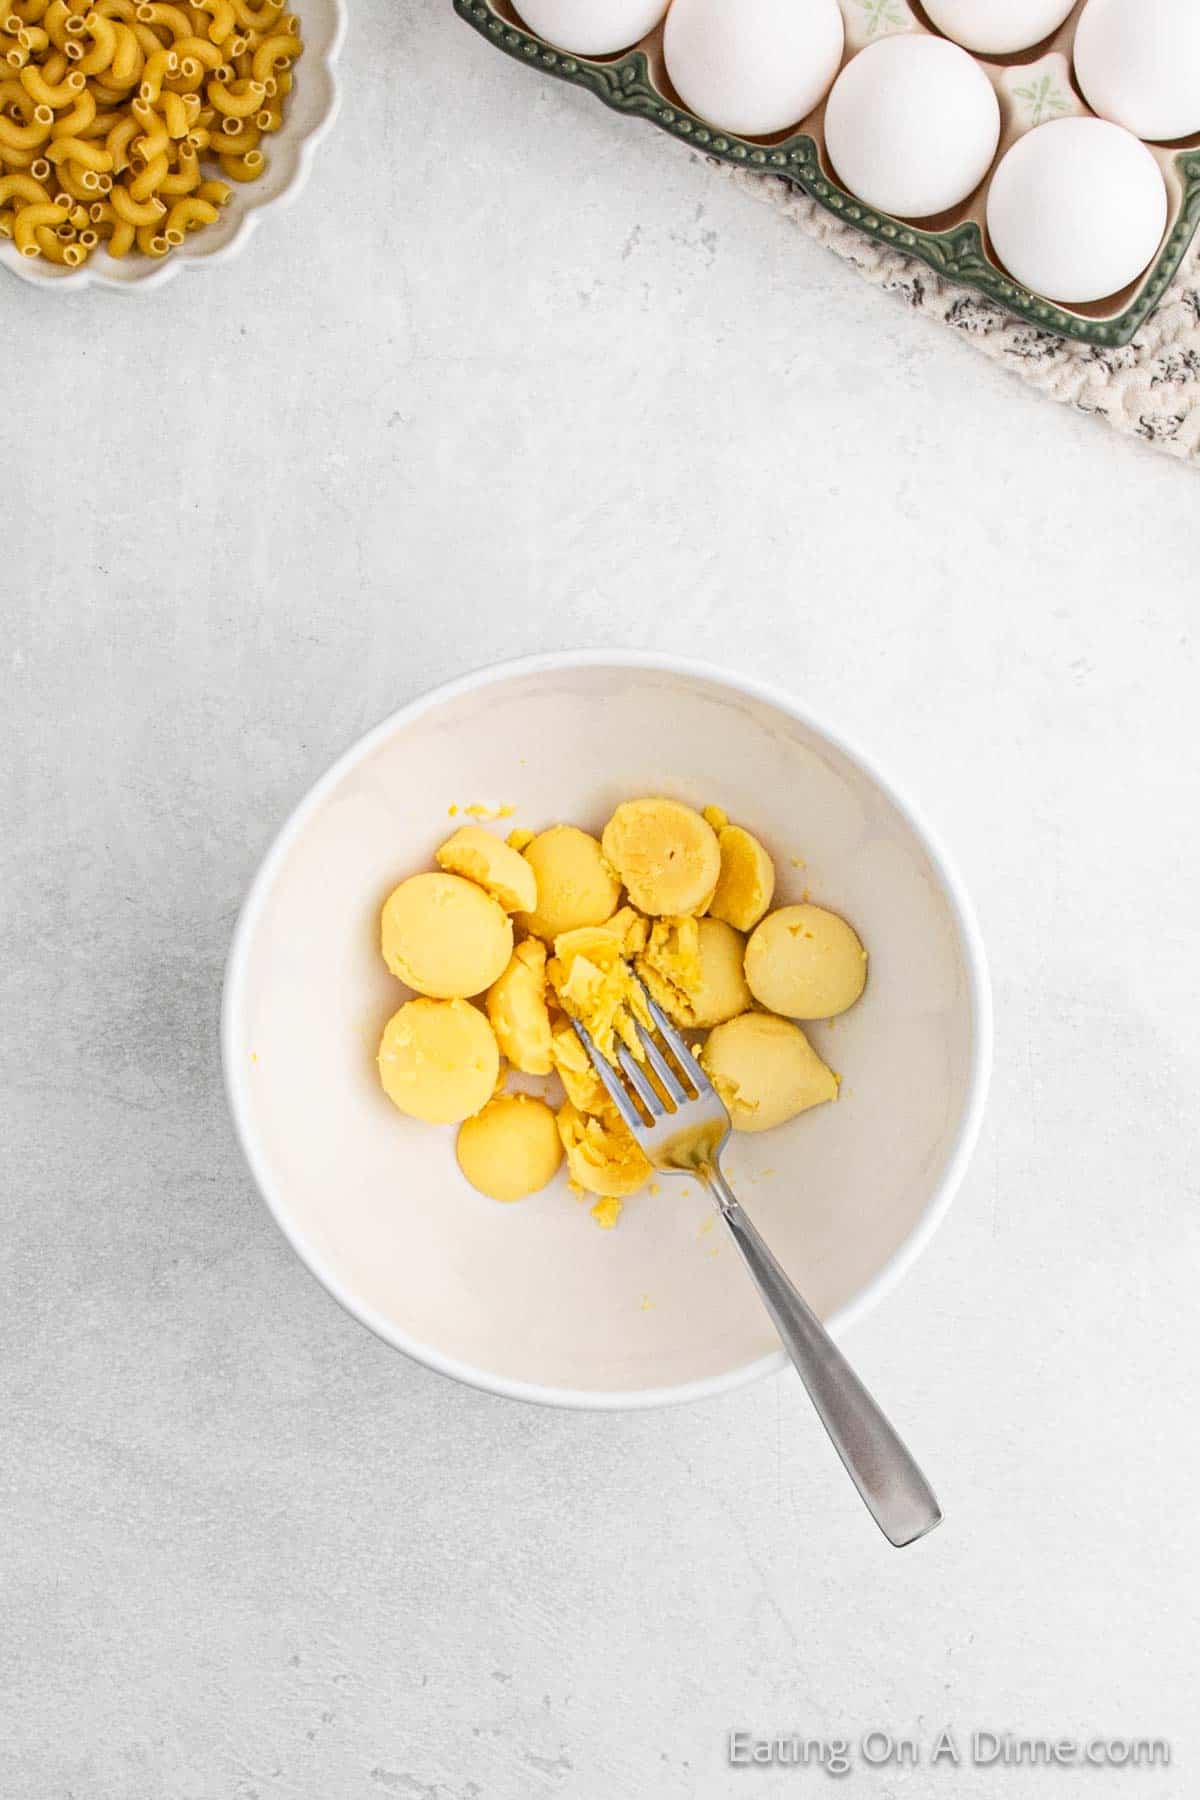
595, 984
478, 811
534, 926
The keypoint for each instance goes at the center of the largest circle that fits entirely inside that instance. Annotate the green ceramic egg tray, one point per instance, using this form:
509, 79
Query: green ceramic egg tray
955, 247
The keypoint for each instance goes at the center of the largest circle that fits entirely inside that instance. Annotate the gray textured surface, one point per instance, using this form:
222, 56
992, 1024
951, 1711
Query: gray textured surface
582, 394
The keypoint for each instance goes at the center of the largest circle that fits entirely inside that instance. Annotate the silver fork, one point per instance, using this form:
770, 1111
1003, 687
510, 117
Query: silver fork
682, 1125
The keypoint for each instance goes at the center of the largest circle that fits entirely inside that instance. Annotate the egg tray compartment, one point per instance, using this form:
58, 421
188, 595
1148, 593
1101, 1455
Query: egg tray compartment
954, 244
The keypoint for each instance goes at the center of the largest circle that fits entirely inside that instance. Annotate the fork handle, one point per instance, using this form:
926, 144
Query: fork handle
898, 1496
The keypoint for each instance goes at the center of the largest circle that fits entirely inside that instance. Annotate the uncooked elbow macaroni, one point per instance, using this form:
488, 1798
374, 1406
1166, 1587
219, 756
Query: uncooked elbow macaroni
109, 110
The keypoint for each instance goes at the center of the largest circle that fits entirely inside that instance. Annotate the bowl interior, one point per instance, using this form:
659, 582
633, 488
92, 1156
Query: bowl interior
534, 1293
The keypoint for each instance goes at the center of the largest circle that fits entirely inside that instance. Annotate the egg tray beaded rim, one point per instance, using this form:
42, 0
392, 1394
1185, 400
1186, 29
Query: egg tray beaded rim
624, 84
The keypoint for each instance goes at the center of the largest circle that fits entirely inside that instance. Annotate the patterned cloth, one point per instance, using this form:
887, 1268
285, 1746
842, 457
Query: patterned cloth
1148, 389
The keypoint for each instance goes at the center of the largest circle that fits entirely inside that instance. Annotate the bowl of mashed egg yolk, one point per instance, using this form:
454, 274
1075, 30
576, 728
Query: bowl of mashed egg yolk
545, 842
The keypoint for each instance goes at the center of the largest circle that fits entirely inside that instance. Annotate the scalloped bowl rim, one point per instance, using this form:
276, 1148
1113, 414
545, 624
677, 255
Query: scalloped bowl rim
891, 1272
37, 273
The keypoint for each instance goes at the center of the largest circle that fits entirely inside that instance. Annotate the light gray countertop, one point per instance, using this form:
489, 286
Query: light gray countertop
514, 377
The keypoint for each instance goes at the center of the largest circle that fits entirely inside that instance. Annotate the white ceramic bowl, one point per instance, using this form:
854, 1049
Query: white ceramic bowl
532, 1300
311, 110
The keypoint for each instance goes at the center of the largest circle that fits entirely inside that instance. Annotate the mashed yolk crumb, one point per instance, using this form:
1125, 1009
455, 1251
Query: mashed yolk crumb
584, 1088
594, 984
693, 968
478, 811
601, 1153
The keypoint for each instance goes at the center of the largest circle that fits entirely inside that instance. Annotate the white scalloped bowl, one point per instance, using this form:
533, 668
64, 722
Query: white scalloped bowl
532, 1301
312, 109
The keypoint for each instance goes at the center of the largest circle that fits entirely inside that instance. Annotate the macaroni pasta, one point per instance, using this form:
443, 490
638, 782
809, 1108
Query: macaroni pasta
109, 110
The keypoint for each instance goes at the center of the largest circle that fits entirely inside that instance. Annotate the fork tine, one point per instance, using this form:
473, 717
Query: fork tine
618, 1093
640, 1083
662, 1068
673, 1039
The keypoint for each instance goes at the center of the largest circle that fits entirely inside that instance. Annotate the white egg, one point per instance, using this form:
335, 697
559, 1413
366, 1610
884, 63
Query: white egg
912, 125
1077, 209
753, 66
592, 27
996, 27
1138, 63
